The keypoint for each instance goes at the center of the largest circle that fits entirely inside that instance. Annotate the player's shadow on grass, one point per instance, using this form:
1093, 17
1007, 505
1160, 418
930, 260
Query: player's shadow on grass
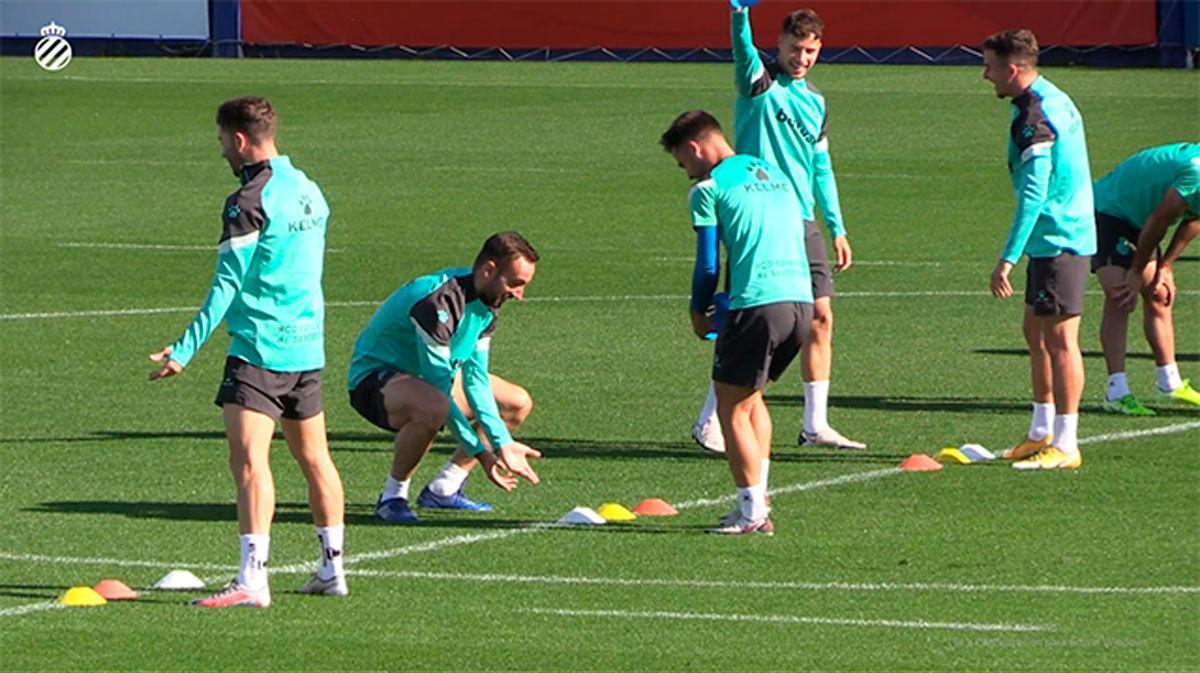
1090, 355
953, 404
45, 591
285, 512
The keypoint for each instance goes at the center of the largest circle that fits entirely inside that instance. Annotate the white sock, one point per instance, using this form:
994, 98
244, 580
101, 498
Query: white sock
394, 489
764, 471
1041, 424
256, 549
1066, 429
816, 406
1118, 386
1168, 377
753, 502
449, 480
331, 539
709, 412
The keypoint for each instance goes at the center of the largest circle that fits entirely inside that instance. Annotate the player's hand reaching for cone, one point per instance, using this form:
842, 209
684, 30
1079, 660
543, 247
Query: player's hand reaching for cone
515, 456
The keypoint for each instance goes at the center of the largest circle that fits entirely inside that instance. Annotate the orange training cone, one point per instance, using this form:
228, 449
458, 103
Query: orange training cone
919, 462
115, 590
654, 507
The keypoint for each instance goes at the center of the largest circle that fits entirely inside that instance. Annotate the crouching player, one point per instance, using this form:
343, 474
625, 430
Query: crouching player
1143, 197
748, 205
405, 363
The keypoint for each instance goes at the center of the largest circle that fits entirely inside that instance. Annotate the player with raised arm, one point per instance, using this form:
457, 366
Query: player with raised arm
780, 117
1054, 226
267, 288
1136, 204
749, 206
405, 362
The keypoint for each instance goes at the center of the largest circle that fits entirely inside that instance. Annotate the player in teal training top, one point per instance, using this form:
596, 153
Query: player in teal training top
1136, 204
267, 288
404, 367
748, 205
1054, 226
779, 116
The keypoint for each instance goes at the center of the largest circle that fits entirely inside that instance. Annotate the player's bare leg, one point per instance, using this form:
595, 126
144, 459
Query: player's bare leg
816, 365
419, 410
309, 445
1114, 328
249, 433
738, 407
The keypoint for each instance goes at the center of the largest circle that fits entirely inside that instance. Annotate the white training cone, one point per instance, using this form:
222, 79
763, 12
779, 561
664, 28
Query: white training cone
179, 580
582, 516
976, 453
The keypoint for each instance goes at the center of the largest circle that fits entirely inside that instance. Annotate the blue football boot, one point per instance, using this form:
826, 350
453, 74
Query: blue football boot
457, 500
395, 510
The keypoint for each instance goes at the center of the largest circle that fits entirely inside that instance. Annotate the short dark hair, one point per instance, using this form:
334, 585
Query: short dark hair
252, 115
802, 23
503, 247
1014, 46
689, 126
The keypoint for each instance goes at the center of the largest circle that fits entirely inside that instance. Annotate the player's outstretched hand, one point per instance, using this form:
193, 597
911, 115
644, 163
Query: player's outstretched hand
515, 457
844, 255
741, 4
1000, 285
169, 366
496, 472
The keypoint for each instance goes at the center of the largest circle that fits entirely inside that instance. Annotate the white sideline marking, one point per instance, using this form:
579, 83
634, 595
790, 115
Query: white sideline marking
790, 619
865, 294
796, 488
153, 246
931, 587
1135, 434
31, 607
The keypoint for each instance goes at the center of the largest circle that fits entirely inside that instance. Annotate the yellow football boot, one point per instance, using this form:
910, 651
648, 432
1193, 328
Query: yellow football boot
1027, 448
1052, 458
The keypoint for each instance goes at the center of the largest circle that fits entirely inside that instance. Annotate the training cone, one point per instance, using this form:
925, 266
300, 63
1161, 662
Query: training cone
654, 507
115, 590
976, 453
81, 597
612, 511
919, 462
953, 455
179, 580
582, 516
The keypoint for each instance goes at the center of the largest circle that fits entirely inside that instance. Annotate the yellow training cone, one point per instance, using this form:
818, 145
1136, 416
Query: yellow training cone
612, 511
81, 596
950, 453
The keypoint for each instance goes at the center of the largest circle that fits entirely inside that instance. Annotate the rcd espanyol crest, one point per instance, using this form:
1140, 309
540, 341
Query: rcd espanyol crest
52, 52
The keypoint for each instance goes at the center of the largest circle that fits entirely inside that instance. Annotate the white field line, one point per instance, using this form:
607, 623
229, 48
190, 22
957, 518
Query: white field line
797, 488
1136, 434
29, 608
791, 619
153, 246
745, 585
565, 299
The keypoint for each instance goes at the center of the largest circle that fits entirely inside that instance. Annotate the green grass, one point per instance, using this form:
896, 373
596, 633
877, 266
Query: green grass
420, 161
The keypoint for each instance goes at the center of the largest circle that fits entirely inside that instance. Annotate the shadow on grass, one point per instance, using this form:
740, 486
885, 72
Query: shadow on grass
43, 591
1090, 355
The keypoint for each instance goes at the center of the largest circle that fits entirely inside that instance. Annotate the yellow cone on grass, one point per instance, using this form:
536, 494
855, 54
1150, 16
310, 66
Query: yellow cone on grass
81, 596
612, 511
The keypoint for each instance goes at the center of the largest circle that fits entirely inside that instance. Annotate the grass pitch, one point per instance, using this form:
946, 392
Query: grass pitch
110, 189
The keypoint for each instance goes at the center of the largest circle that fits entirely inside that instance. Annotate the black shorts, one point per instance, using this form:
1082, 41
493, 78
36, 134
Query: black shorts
367, 398
292, 395
1054, 285
758, 343
818, 260
1116, 240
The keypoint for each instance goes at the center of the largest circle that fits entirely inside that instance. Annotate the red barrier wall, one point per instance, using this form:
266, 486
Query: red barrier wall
685, 24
